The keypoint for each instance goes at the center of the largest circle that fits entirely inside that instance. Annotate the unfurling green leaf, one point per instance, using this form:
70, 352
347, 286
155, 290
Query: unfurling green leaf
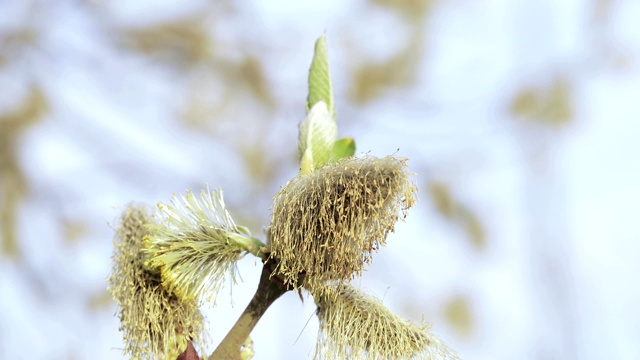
320, 78
317, 136
342, 148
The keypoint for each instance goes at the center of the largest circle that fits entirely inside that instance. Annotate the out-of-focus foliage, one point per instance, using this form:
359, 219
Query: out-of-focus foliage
226, 72
224, 85
227, 93
458, 213
182, 43
74, 230
457, 312
551, 105
258, 161
372, 78
474, 229
441, 197
99, 301
13, 184
411, 9
12, 42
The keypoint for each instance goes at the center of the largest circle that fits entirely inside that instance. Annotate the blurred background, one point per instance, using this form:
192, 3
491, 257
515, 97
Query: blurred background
520, 120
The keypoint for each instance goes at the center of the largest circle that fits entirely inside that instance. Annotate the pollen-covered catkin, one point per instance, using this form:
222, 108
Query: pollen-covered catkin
325, 225
156, 323
354, 325
195, 245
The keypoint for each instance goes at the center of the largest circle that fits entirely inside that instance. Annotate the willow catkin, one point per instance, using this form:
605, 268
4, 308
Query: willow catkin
195, 244
354, 325
326, 225
155, 322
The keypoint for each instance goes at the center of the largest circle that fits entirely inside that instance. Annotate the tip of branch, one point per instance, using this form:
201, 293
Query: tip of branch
189, 354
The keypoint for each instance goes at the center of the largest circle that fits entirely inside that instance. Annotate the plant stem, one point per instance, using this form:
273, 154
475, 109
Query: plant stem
269, 290
190, 353
249, 244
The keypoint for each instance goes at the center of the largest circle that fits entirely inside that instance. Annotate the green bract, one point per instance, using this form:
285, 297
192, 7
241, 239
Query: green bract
342, 148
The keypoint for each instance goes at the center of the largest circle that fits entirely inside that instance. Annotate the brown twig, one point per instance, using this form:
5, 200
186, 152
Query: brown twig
189, 354
269, 290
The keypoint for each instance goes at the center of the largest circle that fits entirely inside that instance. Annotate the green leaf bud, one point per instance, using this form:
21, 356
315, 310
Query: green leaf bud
320, 88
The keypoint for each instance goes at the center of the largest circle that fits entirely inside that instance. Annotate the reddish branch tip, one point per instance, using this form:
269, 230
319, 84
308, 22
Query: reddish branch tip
189, 354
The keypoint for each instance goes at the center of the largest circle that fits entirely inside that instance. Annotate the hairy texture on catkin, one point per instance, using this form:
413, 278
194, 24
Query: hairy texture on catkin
325, 225
354, 325
156, 323
195, 244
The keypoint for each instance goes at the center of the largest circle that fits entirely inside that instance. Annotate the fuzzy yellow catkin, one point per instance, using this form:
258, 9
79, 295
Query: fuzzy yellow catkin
354, 325
325, 225
195, 244
156, 323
